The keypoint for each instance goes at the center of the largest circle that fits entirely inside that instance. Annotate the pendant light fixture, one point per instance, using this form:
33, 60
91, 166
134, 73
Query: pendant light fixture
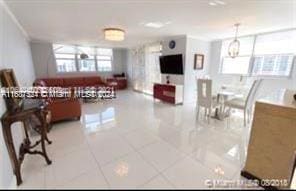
83, 56
234, 46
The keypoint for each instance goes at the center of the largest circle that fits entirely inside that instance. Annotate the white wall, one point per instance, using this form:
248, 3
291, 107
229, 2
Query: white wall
14, 53
188, 47
269, 85
120, 60
195, 46
45, 66
179, 49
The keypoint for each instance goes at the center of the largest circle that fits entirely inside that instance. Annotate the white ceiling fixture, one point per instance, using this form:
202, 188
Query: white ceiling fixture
114, 34
156, 25
212, 3
220, 2
233, 49
217, 2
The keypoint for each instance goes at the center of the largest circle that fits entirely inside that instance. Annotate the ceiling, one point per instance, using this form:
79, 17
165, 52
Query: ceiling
81, 21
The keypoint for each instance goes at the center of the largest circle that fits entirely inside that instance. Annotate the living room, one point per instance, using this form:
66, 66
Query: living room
187, 94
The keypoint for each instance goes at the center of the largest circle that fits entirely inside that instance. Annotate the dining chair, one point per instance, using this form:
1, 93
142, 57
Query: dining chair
205, 98
245, 104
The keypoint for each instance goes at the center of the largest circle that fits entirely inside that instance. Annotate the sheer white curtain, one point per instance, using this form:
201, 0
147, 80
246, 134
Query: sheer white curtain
145, 68
138, 68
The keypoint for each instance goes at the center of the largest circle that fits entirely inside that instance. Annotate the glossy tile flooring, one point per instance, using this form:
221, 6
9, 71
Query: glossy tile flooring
136, 142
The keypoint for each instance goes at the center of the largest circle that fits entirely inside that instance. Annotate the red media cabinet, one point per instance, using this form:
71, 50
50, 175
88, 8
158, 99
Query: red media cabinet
168, 93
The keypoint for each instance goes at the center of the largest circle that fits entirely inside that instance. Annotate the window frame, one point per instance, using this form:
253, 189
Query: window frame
273, 76
252, 60
77, 60
97, 61
74, 59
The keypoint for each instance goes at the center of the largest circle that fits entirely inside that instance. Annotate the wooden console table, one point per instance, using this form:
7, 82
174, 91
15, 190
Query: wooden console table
24, 114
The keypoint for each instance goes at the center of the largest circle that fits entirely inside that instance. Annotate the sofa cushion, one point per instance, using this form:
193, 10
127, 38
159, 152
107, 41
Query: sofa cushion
58, 82
92, 81
74, 82
71, 82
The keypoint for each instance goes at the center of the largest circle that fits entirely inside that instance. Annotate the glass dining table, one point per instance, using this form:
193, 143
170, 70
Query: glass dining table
223, 95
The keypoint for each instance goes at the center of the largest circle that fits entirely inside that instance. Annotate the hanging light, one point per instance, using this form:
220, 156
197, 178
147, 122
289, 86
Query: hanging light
83, 56
114, 34
234, 46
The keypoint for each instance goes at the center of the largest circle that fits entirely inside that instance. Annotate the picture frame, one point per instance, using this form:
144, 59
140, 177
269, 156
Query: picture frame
198, 61
8, 80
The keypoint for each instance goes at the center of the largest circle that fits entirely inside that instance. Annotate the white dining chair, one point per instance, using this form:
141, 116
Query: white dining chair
245, 104
205, 98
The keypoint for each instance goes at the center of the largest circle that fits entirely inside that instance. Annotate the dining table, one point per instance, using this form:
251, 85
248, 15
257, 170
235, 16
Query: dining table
224, 94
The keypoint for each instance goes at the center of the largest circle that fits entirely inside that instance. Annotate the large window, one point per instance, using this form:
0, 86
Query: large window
86, 64
73, 59
239, 65
274, 53
269, 54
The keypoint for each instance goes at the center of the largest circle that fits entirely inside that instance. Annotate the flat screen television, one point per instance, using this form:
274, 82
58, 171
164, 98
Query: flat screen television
172, 64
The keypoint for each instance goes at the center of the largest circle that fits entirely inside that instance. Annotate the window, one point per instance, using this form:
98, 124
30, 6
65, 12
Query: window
269, 54
65, 58
68, 58
104, 59
274, 53
87, 64
272, 65
241, 64
238, 65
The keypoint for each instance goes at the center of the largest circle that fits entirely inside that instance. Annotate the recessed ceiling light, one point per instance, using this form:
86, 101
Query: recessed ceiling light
167, 23
216, 2
154, 25
220, 2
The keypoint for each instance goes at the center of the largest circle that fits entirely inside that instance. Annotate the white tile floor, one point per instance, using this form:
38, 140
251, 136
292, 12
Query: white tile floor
135, 142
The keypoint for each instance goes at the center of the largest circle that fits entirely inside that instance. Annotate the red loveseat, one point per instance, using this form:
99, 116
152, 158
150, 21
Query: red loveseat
67, 108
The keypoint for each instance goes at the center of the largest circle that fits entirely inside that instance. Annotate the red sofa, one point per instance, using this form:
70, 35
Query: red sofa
67, 108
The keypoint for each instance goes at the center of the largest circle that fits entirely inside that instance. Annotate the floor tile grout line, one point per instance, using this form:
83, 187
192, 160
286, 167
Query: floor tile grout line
159, 171
63, 182
169, 181
185, 154
99, 166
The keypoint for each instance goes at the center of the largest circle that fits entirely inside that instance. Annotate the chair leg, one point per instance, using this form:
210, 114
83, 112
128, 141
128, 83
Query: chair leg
245, 118
209, 115
249, 116
197, 113
228, 122
228, 117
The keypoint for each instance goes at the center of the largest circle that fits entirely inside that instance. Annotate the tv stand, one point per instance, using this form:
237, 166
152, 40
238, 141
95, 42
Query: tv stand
169, 93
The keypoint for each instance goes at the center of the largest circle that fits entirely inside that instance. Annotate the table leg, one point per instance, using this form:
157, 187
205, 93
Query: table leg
43, 132
6, 128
